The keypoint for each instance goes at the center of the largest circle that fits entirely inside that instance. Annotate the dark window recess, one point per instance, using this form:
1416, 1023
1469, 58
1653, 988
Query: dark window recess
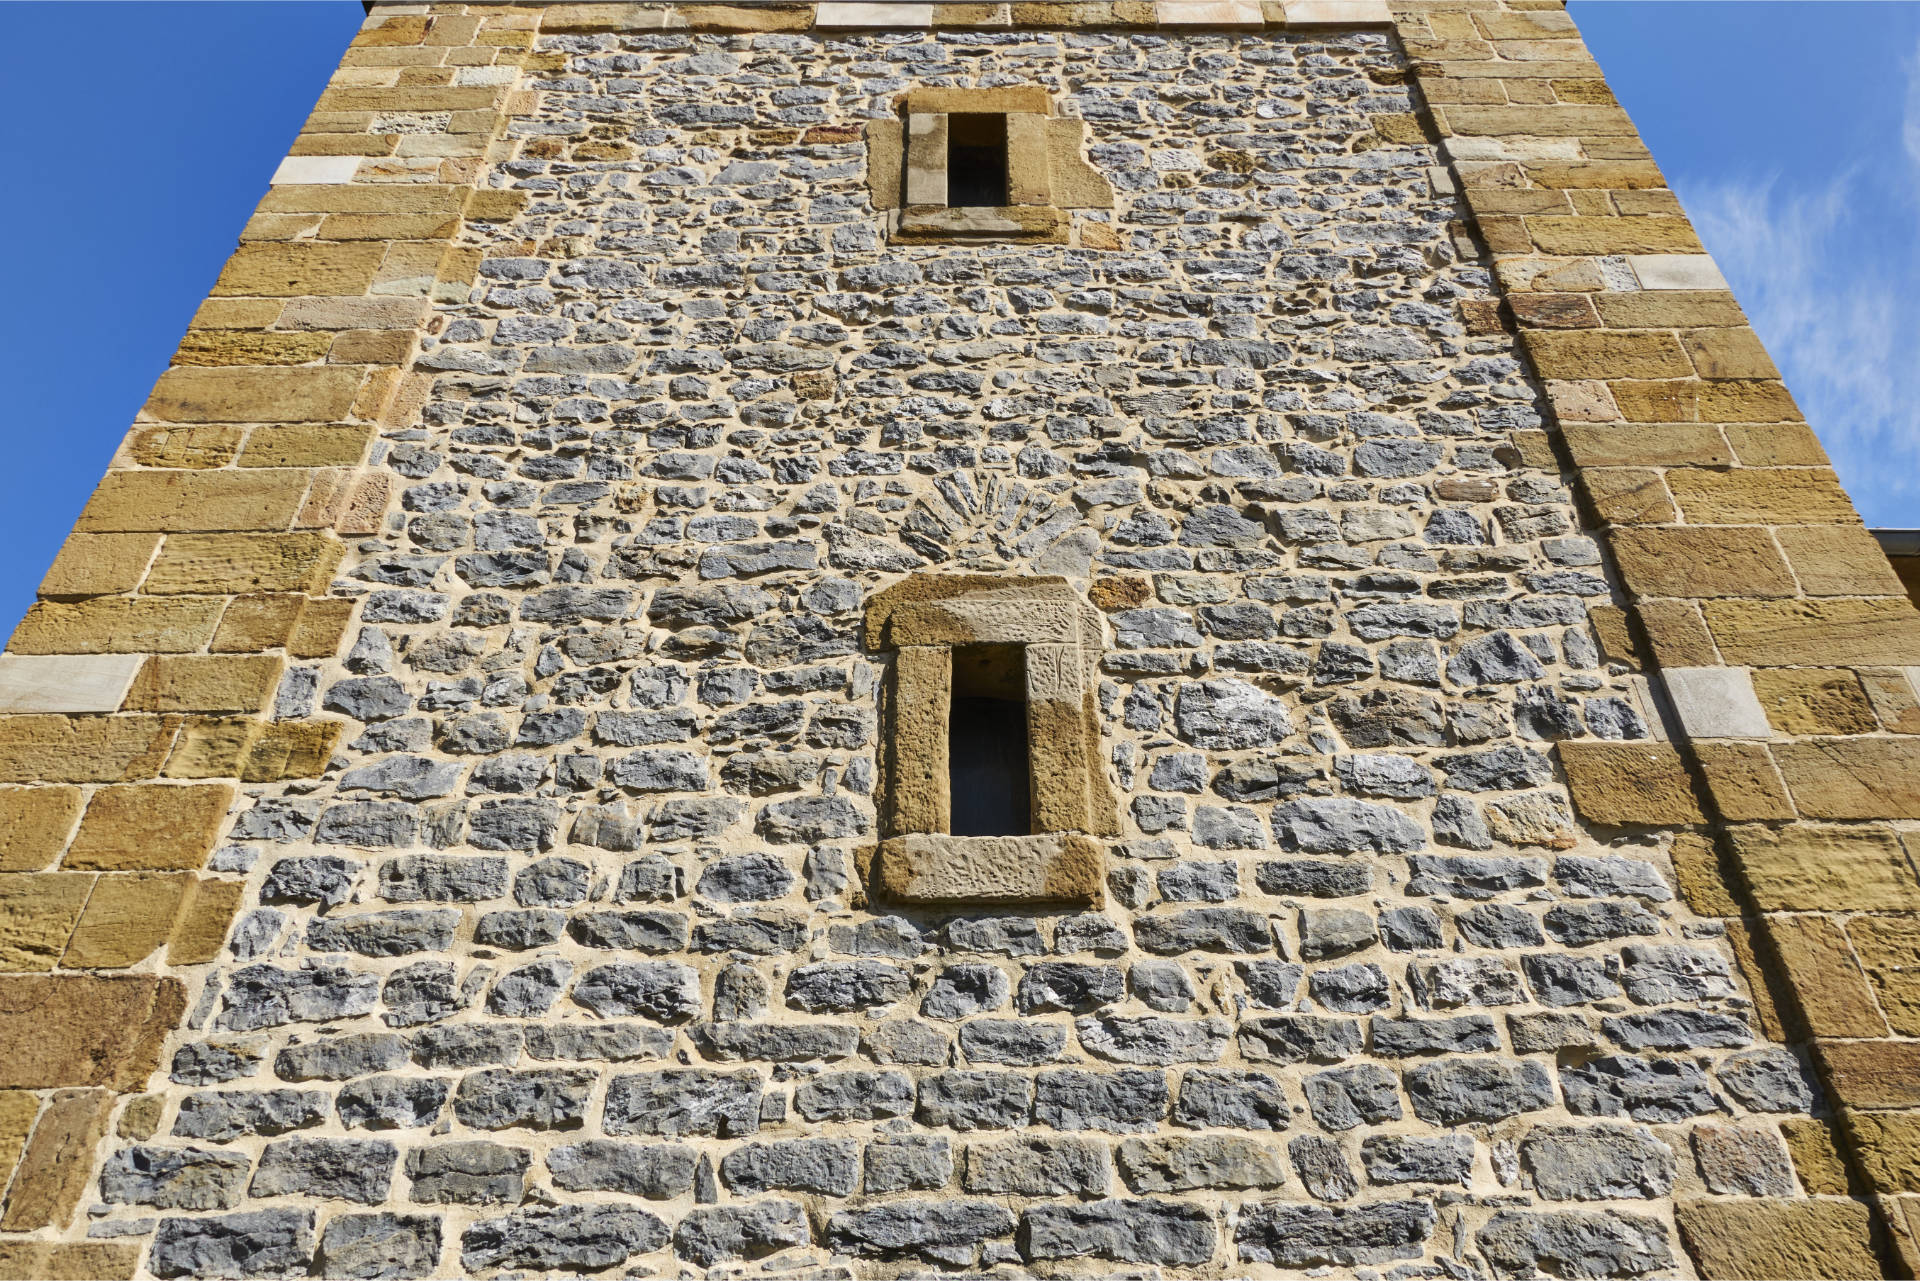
976, 160
987, 743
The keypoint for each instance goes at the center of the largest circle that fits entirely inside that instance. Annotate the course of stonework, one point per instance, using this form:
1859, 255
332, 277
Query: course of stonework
510, 775
567, 962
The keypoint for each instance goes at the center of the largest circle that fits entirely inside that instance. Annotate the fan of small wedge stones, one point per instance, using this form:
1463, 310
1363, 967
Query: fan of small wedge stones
989, 521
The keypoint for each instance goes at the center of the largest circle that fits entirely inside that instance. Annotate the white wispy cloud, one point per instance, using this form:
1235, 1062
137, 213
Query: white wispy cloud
1838, 308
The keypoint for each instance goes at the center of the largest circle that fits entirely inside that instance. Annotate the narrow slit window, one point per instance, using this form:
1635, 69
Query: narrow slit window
988, 762
976, 160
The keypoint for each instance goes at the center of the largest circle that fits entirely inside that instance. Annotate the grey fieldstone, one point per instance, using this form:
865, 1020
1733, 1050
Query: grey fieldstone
349, 1169
474, 1172
373, 1246
1167, 1233
1597, 1162
573, 1237
715, 1234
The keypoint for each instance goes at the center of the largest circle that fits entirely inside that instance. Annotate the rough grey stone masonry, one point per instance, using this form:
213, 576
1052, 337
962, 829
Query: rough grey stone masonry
565, 966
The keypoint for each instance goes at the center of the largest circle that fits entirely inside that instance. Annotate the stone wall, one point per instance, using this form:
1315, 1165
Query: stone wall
1416, 945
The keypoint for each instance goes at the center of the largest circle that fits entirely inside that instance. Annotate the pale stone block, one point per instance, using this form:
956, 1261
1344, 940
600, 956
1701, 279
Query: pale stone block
1440, 180
66, 682
1209, 13
1527, 149
927, 158
1716, 702
1338, 13
1677, 271
872, 13
483, 76
309, 170
1064, 868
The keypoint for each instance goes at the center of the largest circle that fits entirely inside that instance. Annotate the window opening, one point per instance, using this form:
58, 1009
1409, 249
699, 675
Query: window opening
988, 761
976, 160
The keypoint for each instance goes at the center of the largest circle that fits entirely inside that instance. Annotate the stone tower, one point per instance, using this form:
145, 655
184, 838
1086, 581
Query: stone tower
847, 640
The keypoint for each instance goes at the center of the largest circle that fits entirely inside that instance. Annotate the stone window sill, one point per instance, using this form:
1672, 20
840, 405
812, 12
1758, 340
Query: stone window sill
1060, 868
1031, 224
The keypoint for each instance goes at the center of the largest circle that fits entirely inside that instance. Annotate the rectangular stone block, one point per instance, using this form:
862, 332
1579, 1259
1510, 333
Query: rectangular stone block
1627, 496
1746, 402
1677, 271
321, 445
1838, 560
1728, 353
221, 347
18, 1109
1716, 702
98, 565
65, 682
311, 169
1887, 1145
86, 749
1538, 122
127, 917
255, 623
354, 313
321, 625
1817, 960
1336, 15
1817, 867
34, 825
1815, 633
1617, 784
1694, 563
61, 1030
1775, 445
1605, 354
1743, 781
234, 683
1760, 496
169, 501
1669, 309
116, 625
1001, 870
58, 1162
1872, 1074
1644, 444
844, 14
1772, 1238
1853, 777
207, 913
1596, 236
245, 394
296, 271
1219, 15
38, 911
228, 564
149, 827
1814, 700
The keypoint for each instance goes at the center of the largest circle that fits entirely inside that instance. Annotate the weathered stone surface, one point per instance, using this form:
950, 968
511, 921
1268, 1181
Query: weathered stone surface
575, 1237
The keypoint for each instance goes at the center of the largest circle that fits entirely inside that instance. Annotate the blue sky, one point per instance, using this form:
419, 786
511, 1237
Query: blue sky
140, 136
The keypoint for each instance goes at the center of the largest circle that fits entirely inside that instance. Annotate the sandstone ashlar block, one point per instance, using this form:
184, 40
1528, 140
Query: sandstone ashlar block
34, 825
126, 918
1872, 1074
1684, 562
1777, 1238
98, 565
1062, 870
1716, 702
66, 682
1816, 957
54, 1170
84, 1030
83, 749
1821, 867
1853, 778
1629, 783
149, 827
1815, 633
38, 911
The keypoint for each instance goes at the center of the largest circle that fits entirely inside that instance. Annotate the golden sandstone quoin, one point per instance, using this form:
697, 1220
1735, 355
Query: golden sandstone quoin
859, 639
